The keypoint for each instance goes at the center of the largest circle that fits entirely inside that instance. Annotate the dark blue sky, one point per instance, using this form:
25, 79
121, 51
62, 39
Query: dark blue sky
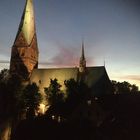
110, 28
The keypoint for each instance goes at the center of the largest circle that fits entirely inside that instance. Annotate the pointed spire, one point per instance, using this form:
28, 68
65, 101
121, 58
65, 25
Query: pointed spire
82, 64
24, 56
83, 53
27, 24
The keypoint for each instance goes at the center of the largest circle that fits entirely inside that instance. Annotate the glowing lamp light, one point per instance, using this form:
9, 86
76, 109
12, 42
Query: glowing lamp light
42, 108
53, 117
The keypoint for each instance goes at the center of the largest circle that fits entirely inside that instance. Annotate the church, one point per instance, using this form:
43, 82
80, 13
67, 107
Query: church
25, 54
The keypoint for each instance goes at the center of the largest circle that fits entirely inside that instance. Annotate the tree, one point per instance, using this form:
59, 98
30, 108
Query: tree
60, 106
124, 87
3, 94
14, 98
76, 91
72, 88
30, 99
4, 74
55, 98
10, 87
54, 93
134, 89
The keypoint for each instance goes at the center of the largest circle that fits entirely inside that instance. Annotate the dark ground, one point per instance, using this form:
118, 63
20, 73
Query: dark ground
122, 124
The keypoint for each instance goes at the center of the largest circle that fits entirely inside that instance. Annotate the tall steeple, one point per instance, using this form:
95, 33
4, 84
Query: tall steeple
24, 55
82, 63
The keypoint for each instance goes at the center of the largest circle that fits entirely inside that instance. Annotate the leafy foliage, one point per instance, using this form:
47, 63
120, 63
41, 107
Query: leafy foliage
76, 91
4, 74
54, 93
124, 87
10, 87
55, 98
31, 98
16, 97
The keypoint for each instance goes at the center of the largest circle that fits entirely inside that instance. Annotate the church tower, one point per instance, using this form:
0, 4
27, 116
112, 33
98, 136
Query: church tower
82, 63
24, 55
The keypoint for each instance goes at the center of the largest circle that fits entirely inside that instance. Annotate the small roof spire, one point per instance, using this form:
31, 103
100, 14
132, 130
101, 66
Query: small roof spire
82, 64
83, 53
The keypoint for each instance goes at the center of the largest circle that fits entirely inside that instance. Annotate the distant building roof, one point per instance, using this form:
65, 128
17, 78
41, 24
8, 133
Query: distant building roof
94, 74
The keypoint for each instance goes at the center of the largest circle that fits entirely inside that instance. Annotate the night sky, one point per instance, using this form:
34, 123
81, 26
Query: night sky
110, 28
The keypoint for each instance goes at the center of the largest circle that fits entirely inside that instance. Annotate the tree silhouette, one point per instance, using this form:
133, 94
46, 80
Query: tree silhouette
4, 74
54, 93
10, 88
124, 88
30, 99
55, 98
76, 91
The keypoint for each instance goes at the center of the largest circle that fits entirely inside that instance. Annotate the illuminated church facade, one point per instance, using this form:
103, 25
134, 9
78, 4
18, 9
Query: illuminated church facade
25, 54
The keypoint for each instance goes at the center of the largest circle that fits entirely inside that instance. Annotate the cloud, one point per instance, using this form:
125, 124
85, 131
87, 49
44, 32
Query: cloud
4, 64
67, 57
4, 53
130, 77
63, 56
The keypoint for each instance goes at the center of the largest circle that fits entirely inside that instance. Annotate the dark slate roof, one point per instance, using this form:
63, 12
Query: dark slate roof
94, 74
98, 81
